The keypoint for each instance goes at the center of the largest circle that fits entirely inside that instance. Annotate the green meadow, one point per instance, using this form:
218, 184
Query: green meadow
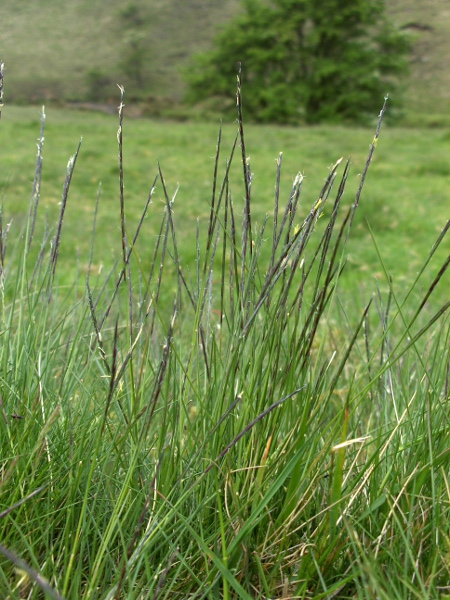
403, 204
229, 380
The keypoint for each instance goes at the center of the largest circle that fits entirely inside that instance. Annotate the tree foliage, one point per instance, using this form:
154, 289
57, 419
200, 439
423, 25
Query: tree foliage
305, 60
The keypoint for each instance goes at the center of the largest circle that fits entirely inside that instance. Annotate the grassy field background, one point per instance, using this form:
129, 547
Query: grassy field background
404, 201
50, 49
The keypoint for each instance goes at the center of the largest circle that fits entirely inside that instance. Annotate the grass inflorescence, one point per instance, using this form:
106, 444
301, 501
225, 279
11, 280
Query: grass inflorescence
226, 428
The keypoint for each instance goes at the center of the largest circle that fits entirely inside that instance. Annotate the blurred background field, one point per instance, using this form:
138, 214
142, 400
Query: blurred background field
405, 199
79, 51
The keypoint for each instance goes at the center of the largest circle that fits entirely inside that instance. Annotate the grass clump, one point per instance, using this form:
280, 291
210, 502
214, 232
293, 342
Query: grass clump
225, 428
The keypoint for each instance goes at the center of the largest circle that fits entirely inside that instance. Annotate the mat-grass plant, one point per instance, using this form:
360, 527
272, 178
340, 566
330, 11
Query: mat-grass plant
249, 438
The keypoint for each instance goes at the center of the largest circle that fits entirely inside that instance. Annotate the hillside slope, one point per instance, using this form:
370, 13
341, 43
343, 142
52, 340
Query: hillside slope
80, 50
428, 21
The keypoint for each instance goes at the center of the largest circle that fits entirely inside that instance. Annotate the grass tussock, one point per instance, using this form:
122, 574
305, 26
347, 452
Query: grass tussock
222, 429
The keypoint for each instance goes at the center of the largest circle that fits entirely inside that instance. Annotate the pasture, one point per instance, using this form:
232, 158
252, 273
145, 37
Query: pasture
212, 409
404, 202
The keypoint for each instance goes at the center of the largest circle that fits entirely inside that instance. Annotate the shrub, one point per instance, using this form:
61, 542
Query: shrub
305, 60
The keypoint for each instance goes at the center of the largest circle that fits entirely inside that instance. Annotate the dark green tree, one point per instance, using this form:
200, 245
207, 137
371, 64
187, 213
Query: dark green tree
305, 60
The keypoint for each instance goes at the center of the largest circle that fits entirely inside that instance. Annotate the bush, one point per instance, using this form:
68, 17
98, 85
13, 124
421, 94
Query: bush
306, 60
100, 86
